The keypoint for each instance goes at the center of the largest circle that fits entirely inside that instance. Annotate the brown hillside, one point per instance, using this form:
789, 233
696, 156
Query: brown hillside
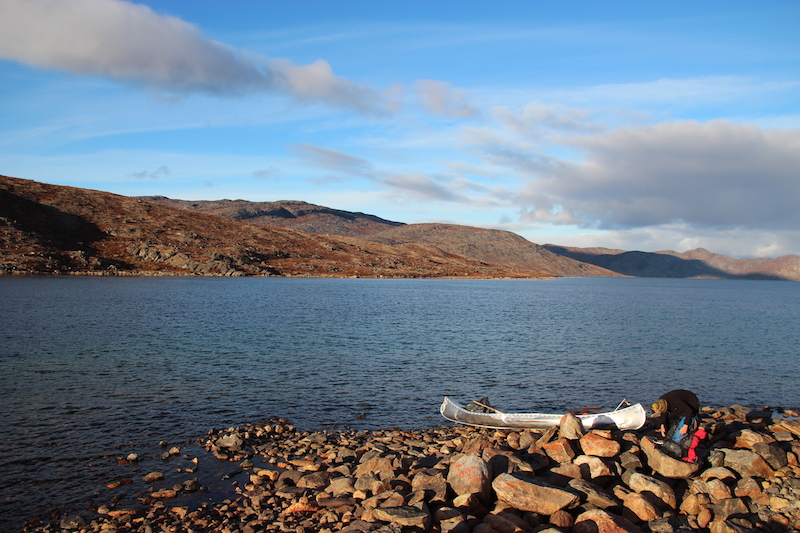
492, 246
287, 214
54, 229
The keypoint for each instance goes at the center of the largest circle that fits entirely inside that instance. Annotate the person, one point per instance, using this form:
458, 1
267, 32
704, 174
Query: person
677, 418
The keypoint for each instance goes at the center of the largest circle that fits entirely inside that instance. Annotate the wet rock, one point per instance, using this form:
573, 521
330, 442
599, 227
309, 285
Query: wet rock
232, 442
192, 485
532, 495
73, 522
152, 477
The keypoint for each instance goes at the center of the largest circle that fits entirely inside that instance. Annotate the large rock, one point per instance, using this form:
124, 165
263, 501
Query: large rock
599, 521
666, 465
559, 450
594, 494
433, 485
383, 466
648, 484
772, 454
641, 506
594, 444
470, 475
532, 495
570, 427
747, 463
404, 516
232, 442
746, 438
596, 467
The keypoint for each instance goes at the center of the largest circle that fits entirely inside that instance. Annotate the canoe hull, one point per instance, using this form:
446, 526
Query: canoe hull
632, 417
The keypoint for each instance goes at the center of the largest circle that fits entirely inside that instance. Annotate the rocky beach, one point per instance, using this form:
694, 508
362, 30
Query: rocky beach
462, 479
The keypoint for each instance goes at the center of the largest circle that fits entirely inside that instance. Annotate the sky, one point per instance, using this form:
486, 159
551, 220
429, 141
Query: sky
627, 125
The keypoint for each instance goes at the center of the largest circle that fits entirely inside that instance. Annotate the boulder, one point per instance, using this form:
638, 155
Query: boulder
532, 495
383, 466
599, 521
723, 509
717, 472
594, 494
772, 454
641, 506
231, 441
562, 519
642, 483
559, 450
434, 486
747, 463
404, 516
595, 466
594, 444
570, 427
470, 475
746, 438
666, 465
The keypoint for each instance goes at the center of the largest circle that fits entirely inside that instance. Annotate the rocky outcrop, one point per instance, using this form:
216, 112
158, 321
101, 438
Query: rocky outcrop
459, 479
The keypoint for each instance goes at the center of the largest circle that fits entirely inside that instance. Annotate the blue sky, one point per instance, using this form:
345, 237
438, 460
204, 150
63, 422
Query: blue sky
631, 125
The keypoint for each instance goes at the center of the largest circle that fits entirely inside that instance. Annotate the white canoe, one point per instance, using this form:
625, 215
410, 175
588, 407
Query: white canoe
632, 417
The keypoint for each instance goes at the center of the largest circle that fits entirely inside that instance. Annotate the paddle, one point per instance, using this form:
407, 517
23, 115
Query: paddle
476, 402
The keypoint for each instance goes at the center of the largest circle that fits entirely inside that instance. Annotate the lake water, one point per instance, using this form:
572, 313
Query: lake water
95, 368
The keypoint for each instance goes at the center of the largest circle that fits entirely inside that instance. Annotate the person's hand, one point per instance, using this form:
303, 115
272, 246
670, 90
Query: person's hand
663, 431
684, 429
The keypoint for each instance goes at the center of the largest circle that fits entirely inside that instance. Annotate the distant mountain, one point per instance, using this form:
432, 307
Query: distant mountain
54, 229
698, 263
287, 214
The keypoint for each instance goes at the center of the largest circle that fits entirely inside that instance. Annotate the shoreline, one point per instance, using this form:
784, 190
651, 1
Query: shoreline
273, 477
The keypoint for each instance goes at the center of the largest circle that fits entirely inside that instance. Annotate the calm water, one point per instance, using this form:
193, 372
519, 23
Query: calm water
94, 368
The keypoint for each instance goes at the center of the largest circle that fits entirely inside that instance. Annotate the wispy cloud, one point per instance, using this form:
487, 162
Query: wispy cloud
441, 98
160, 172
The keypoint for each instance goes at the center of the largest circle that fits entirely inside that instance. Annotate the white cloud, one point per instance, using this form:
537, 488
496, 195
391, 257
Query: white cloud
713, 175
131, 43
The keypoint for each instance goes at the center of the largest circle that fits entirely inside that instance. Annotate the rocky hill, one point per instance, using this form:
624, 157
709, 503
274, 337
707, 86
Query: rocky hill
286, 213
54, 229
698, 263
492, 246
